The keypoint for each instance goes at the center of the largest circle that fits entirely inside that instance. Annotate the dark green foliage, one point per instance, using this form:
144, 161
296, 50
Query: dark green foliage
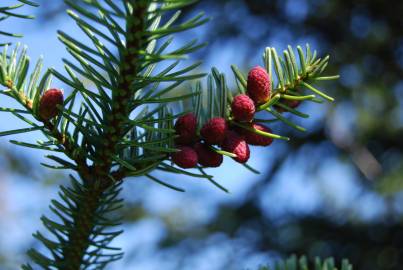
293, 263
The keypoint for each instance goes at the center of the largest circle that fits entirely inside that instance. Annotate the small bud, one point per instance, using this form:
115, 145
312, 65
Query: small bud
186, 158
207, 157
185, 127
235, 144
243, 108
259, 85
48, 104
213, 132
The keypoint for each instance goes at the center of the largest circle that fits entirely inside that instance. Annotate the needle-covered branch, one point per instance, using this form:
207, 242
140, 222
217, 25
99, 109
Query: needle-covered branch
118, 118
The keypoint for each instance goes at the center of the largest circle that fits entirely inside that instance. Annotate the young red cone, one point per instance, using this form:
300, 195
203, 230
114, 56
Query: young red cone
243, 108
186, 158
213, 132
48, 104
259, 85
256, 139
207, 157
235, 144
185, 127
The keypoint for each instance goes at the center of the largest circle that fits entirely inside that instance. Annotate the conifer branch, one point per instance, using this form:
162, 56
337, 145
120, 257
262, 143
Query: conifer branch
101, 134
124, 126
84, 231
82, 227
49, 129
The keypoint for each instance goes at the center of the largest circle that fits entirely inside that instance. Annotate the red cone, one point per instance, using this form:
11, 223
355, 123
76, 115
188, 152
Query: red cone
213, 132
48, 104
243, 108
186, 158
235, 144
185, 127
207, 157
259, 85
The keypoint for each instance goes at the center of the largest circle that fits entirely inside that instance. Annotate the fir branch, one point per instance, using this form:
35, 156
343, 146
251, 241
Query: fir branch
293, 77
107, 139
103, 121
48, 128
86, 220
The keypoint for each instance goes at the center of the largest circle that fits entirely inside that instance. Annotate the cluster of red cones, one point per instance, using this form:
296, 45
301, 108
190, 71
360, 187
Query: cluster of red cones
197, 148
200, 147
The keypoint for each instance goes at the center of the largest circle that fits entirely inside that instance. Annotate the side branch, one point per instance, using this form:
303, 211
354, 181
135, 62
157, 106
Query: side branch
69, 147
